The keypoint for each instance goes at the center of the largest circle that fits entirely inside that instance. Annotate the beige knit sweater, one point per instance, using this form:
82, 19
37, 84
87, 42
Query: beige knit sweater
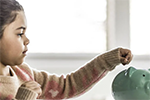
54, 87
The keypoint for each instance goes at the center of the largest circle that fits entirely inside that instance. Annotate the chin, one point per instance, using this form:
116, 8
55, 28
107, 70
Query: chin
16, 63
13, 62
19, 63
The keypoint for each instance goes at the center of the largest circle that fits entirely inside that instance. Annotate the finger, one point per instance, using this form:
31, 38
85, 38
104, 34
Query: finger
31, 84
38, 91
124, 52
34, 84
124, 61
33, 87
129, 57
27, 82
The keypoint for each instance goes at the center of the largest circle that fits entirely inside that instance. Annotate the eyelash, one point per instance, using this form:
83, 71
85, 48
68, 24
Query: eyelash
20, 34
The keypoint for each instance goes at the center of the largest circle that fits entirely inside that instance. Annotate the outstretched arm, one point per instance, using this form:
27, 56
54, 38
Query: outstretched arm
78, 82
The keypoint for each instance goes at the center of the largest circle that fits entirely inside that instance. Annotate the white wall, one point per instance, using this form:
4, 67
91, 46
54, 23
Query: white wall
118, 30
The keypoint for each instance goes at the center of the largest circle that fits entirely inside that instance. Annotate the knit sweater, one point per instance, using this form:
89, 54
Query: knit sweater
57, 87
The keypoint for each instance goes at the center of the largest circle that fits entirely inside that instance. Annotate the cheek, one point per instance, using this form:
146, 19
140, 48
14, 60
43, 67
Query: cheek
16, 46
11, 52
13, 46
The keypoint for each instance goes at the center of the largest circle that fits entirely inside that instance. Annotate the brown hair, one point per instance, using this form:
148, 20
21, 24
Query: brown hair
8, 13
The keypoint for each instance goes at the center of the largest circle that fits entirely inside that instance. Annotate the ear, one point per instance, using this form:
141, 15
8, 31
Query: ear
130, 71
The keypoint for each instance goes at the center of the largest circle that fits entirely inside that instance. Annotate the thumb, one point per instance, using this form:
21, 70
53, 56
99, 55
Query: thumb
124, 61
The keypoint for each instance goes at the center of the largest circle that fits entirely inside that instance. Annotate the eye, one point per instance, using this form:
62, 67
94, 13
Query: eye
20, 34
144, 75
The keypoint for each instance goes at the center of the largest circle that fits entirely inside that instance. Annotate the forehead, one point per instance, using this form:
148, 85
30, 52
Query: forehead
20, 21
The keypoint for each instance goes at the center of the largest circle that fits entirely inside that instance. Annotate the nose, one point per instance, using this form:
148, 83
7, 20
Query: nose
27, 41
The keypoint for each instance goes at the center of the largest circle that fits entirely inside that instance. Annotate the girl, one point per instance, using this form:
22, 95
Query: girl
19, 81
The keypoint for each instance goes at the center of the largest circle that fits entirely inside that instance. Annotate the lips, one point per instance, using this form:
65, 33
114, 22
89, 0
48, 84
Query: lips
24, 52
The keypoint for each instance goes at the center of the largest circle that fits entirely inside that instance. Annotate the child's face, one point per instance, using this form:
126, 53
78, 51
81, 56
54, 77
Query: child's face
13, 44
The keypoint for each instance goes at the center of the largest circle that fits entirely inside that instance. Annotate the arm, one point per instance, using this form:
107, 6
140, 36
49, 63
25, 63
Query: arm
54, 87
74, 84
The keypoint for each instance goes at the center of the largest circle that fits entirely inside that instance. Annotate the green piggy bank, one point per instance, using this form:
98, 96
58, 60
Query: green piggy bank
132, 84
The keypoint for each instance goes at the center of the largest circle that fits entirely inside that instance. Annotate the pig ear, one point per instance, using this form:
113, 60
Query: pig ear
130, 71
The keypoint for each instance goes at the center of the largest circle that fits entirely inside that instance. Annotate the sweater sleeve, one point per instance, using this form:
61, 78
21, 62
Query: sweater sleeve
25, 94
78, 82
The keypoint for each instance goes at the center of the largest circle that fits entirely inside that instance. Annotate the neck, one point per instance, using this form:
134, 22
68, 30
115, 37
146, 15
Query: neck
4, 70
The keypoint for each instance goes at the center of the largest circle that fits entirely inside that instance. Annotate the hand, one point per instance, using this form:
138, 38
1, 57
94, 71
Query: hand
125, 56
34, 86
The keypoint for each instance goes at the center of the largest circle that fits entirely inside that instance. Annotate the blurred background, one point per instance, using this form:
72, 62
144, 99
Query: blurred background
65, 34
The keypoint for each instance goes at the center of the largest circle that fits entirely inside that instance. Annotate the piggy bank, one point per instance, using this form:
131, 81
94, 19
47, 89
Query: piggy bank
132, 84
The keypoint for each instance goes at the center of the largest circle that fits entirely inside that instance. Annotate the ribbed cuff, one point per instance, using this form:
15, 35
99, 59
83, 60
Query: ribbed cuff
112, 58
25, 94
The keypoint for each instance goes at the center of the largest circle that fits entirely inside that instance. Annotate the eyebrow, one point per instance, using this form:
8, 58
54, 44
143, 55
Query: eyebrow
21, 28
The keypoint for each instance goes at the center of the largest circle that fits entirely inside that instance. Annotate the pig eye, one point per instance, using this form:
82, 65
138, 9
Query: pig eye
144, 75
